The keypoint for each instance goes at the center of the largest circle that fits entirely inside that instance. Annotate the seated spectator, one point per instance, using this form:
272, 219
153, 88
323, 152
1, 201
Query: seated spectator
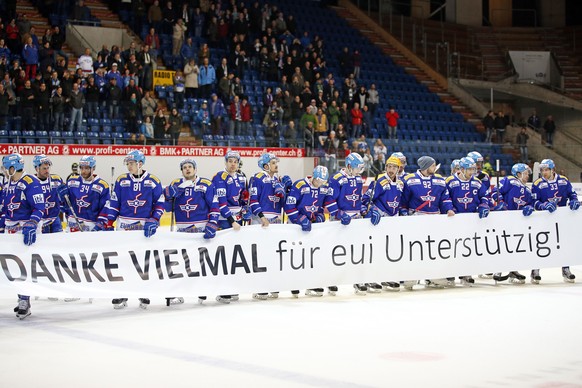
147, 129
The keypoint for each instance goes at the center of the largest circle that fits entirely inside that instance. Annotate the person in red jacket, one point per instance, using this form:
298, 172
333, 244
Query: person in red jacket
246, 115
392, 119
357, 118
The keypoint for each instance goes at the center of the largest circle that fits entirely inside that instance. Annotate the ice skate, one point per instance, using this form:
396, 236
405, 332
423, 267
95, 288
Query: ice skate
119, 303
498, 277
223, 299
295, 293
437, 283
360, 289
409, 284
486, 276
568, 276
332, 290
516, 277
234, 298
72, 299
274, 295
23, 309
201, 299
144, 303
390, 286
535, 276
314, 292
374, 287
467, 281
450, 282
53, 299
261, 296
171, 301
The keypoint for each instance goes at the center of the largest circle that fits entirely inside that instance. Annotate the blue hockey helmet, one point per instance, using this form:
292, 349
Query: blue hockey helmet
547, 163
400, 156
355, 162
41, 159
88, 161
518, 168
321, 173
266, 159
476, 156
187, 161
13, 160
467, 162
455, 164
135, 156
232, 154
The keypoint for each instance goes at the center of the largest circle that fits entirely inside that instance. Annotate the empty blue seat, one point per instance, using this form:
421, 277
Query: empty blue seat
93, 137
3, 136
105, 137
29, 136
43, 137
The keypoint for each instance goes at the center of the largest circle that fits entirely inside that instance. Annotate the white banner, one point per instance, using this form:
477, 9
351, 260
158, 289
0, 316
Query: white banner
282, 257
532, 65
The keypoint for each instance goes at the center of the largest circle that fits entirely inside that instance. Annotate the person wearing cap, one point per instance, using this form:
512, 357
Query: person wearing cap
424, 192
74, 171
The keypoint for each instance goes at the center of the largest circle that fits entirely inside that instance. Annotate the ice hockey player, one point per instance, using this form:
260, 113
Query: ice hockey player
229, 188
344, 202
455, 166
468, 195
304, 207
402, 158
551, 191
192, 201
51, 185
137, 203
23, 207
513, 194
87, 194
425, 192
267, 196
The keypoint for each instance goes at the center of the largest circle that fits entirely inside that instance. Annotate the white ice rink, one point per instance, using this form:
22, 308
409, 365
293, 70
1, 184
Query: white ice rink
485, 336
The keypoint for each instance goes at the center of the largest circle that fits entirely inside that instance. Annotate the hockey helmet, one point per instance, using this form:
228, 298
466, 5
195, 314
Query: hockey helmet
466, 163
455, 164
355, 162
518, 168
232, 154
266, 159
13, 160
476, 156
321, 173
547, 163
88, 161
41, 159
394, 160
400, 156
135, 156
187, 161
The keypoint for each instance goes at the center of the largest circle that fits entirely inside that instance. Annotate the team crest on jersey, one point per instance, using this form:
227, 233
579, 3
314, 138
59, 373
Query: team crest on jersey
311, 209
466, 200
428, 198
519, 201
136, 203
13, 206
81, 203
188, 207
556, 198
353, 197
49, 204
274, 199
393, 204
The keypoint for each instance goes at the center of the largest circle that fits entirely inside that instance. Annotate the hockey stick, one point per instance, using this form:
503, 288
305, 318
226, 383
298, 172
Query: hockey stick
536, 171
68, 201
497, 176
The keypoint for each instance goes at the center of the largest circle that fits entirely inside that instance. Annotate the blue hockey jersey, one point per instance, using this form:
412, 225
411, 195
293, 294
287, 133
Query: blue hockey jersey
52, 201
344, 193
466, 196
514, 193
135, 200
22, 201
558, 190
305, 199
228, 193
194, 205
385, 194
88, 198
262, 196
425, 195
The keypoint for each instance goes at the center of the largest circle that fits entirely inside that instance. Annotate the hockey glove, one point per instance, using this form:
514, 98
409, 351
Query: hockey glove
173, 191
287, 182
100, 225
304, 222
319, 217
403, 212
483, 211
244, 197
500, 207
150, 227
574, 204
527, 210
246, 214
343, 217
549, 206
374, 215
2, 223
62, 192
29, 232
279, 190
210, 230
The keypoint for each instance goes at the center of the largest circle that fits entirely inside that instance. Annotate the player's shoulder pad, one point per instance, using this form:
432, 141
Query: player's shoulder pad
338, 175
27, 179
155, 179
449, 178
122, 176
438, 176
260, 174
563, 177
408, 176
56, 177
224, 175
538, 181
176, 181
103, 183
299, 184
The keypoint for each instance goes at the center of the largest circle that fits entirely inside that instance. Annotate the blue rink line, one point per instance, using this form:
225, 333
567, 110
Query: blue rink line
234, 366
